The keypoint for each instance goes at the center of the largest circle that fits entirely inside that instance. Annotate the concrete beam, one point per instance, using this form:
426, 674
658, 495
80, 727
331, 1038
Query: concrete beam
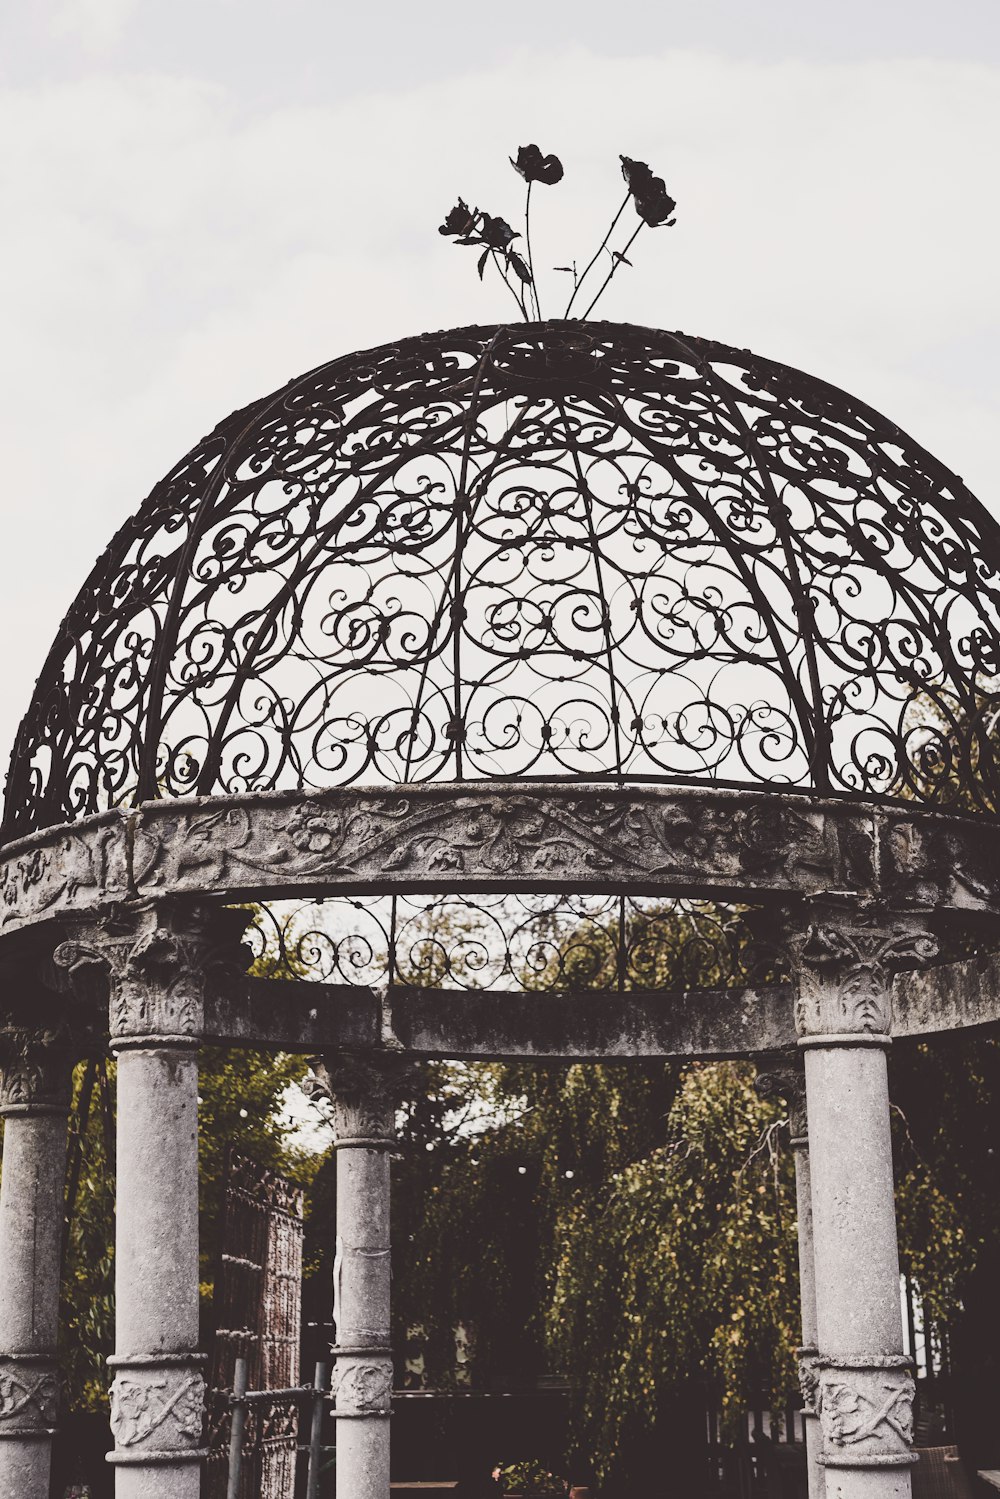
493, 1025
956, 996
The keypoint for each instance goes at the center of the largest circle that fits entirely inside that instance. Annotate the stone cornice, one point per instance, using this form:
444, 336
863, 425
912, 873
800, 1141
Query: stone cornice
487, 836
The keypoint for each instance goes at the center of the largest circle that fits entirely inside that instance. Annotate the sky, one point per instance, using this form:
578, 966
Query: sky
204, 198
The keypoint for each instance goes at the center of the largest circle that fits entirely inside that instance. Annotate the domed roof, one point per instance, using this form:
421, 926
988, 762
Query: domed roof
543, 551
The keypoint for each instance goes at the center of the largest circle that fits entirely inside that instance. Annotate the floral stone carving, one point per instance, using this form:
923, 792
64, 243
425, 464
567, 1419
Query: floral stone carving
157, 1408
29, 1396
867, 1413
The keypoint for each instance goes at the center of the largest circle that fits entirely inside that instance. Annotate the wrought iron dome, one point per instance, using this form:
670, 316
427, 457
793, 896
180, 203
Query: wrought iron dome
558, 550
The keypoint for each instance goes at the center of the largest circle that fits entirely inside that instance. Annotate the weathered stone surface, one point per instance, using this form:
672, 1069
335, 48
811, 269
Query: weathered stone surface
64, 870
582, 1024
157, 1410
480, 836
158, 960
866, 1410
953, 996
31, 1223
859, 1325
364, 1093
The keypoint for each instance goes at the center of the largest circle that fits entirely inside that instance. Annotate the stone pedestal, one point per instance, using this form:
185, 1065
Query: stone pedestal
158, 962
364, 1097
865, 1381
35, 1073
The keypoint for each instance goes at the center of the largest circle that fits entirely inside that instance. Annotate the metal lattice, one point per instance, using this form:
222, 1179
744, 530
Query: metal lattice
548, 551
258, 1300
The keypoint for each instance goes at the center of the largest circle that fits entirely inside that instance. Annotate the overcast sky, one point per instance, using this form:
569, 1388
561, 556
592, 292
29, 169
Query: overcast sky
203, 198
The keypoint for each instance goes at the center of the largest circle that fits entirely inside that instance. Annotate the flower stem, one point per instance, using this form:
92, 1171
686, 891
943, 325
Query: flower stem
517, 298
597, 253
615, 264
531, 263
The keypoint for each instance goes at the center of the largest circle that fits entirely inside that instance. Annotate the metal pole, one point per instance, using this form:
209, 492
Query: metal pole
316, 1432
240, 1376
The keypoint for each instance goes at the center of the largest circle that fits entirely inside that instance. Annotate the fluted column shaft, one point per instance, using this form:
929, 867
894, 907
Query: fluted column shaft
865, 1382
35, 1072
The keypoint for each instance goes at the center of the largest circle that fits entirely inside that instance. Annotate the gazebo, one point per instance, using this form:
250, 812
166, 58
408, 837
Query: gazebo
566, 622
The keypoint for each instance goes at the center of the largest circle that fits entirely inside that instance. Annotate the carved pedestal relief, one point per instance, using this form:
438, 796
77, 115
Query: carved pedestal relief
157, 1410
866, 1411
29, 1395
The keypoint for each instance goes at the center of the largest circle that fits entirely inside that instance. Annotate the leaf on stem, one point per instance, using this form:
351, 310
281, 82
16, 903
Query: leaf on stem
514, 260
653, 203
534, 167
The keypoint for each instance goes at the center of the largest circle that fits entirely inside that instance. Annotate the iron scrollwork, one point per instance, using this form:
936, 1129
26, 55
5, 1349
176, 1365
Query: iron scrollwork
558, 550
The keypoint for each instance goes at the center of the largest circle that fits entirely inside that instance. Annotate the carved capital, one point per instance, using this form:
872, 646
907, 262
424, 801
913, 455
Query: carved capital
362, 1384
808, 1362
866, 1412
29, 1395
157, 1410
789, 1083
157, 960
365, 1092
36, 1070
845, 962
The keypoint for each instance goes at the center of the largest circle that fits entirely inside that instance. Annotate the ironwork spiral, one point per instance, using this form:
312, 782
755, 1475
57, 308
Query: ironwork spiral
539, 943
553, 550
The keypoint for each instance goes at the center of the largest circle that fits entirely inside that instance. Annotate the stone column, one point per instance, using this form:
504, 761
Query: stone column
35, 1075
844, 1017
157, 961
790, 1083
364, 1094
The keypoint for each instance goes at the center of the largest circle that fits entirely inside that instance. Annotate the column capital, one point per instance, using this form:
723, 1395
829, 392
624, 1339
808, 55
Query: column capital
155, 961
786, 1079
36, 1070
365, 1089
844, 956
39, 1037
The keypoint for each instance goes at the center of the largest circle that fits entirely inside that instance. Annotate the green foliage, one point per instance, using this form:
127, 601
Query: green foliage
947, 1137
88, 1310
532, 1480
241, 1095
684, 1266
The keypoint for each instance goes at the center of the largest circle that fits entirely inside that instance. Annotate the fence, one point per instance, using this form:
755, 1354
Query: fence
244, 1402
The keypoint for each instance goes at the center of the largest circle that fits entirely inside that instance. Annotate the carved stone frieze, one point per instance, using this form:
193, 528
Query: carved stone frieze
29, 1395
866, 1412
157, 1411
362, 1385
70, 869
677, 837
158, 960
428, 832
940, 861
845, 963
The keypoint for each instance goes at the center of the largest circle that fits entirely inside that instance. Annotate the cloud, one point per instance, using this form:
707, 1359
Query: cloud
175, 256
98, 24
